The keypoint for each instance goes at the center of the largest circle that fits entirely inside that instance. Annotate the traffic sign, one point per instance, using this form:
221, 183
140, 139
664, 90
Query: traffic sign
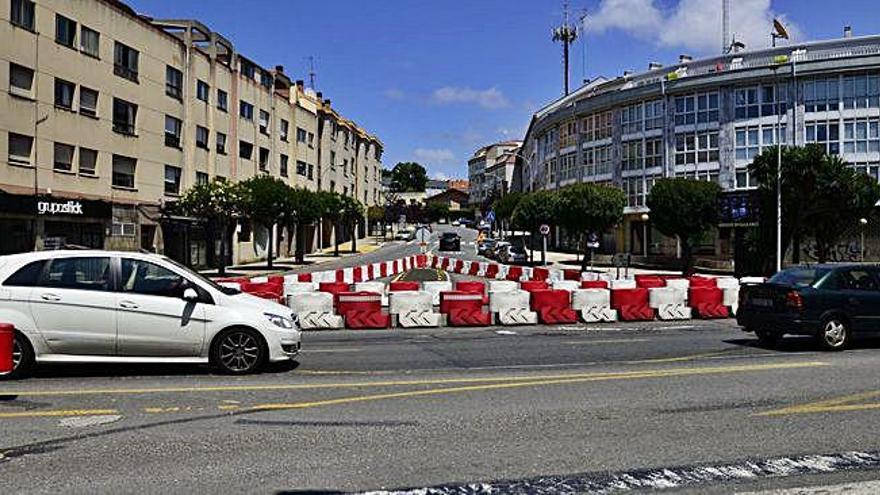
490, 217
423, 235
593, 241
545, 229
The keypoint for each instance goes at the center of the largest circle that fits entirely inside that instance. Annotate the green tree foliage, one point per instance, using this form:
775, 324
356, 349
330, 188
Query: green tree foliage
352, 215
533, 210
435, 210
264, 202
302, 209
686, 209
331, 211
408, 177
505, 205
218, 203
584, 208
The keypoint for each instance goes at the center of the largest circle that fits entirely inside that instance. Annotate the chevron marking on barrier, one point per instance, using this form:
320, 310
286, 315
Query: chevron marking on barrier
553, 316
317, 319
366, 319
712, 311
518, 316
674, 312
597, 314
415, 319
469, 318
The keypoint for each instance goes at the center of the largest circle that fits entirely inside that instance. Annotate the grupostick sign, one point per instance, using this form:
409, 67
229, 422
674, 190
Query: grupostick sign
48, 207
59, 208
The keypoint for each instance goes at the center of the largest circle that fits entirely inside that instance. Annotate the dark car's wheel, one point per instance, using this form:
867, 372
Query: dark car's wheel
22, 358
834, 334
239, 351
768, 338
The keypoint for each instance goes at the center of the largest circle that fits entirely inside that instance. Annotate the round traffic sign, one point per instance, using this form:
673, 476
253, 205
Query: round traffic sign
545, 229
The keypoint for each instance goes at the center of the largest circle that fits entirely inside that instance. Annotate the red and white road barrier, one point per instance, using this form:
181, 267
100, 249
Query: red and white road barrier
435, 287
414, 309
315, 310
375, 287
632, 304
463, 309
511, 307
594, 305
553, 306
7, 344
362, 310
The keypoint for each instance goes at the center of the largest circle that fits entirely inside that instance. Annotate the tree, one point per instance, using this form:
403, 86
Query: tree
435, 210
686, 209
218, 204
264, 202
504, 207
376, 215
408, 177
301, 210
584, 208
331, 211
533, 210
352, 215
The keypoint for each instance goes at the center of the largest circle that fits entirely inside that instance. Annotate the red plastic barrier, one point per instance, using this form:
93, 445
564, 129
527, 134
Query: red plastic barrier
421, 260
707, 302
304, 277
473, 287
670, 276
264, 290
540, 274
553, 306
698, 281
369, 271
276, 279
650, 282
514, 273
464, 309
233, 280
362, 310
594, 284
333, 287
383, 270
491, 270
435, 262
402, 286
444, 263
473, 269
357, 275
533, 285
632, 304
398, 266
7, 343
340, 275
459, 266
571, 274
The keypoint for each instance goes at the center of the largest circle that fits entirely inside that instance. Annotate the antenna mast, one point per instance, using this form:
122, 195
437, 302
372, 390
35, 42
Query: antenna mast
566, 34
725, 26
312, 73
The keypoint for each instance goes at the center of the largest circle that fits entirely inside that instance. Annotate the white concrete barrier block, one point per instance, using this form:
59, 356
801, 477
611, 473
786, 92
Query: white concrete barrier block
727, 283
591, 276
302, 302
590, 298
569, 285
730, 298
502, 286
606, 276
410, 300
674, 312
297, 287
664, 296
260, 280
501, 301
316, 320
517, 316
419, 319
622, 284
557, 275
435, 287
598, 314
375, 287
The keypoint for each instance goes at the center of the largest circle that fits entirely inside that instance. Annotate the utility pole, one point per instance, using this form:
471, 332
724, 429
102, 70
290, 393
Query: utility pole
566, 34
725, 26
312, 73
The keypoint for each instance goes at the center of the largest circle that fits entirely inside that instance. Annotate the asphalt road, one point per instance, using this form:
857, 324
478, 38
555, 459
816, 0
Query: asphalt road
694, 406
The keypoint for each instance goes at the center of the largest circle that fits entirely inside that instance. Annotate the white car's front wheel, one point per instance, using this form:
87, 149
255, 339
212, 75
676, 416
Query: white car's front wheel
239, 351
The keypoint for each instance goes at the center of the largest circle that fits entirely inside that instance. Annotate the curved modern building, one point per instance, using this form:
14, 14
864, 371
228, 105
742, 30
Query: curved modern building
706, 119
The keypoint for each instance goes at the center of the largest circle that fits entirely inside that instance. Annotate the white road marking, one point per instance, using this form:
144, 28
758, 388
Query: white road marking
86, 421
862, 488
505, 332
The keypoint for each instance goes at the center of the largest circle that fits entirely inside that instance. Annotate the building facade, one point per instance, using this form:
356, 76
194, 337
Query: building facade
488, 172
107, 116
706, 119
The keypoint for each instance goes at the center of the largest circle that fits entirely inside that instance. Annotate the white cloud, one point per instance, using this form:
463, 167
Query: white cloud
440, 176
491, 98
434, 156
394, 94
690, 24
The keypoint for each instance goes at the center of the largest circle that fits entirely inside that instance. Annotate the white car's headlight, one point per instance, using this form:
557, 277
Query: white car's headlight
279, 321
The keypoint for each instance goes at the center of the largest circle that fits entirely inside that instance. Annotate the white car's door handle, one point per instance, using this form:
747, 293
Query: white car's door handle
50, 297
128, 305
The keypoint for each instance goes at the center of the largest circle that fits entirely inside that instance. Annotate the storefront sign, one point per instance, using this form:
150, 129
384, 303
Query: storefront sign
55, 208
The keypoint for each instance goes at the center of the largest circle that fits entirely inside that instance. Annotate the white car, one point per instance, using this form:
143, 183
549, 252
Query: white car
123, 307
456, 223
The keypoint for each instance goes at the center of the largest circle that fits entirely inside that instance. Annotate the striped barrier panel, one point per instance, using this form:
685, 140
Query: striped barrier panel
414, 309
669, 303
435, 287
512, 307
314, 310
631, 304
463, 309
362, 310
553, 306
594, 305
374, 287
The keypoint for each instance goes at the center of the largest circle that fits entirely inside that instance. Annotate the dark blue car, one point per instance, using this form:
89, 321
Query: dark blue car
833, 303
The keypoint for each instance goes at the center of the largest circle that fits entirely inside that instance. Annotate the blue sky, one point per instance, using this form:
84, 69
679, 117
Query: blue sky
437, 79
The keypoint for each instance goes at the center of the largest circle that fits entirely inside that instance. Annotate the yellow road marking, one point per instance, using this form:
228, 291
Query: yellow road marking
530, 383
442, 381
58, 413
681, 358
838, 404
607, 341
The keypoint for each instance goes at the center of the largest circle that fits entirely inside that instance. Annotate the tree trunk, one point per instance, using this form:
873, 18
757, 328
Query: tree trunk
270, 246
336, 239
300, 243
585, 259
221, 262
686, 257
796, 248
354, 238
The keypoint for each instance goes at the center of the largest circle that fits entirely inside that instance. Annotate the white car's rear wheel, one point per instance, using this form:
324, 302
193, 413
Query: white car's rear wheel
22, 358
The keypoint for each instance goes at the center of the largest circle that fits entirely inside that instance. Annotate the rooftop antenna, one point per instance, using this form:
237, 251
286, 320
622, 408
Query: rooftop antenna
566, 34
725, 26
779, 32
312, 73
582, 21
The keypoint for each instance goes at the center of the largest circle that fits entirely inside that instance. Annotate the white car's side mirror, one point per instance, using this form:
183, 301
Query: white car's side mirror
191, 295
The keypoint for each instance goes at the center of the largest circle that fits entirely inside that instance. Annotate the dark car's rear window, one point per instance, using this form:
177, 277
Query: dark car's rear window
517, 249
450, 235
799, 277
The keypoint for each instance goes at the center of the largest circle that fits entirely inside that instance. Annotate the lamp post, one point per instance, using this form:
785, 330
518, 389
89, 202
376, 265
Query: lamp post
864, 222
645, 217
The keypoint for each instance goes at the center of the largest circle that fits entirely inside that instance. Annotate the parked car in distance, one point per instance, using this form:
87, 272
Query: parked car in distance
125, 307
496, 251
456, 223
450, 241
405, 234
465, 222
832, 303
487, 245
513, 255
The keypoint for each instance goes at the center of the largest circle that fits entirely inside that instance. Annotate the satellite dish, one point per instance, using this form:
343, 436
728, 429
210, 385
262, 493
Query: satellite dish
779, 30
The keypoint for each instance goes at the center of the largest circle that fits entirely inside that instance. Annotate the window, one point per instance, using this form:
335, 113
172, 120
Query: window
700, 147
653, 153
854, 279
301, 168
245, 150
246, 110
149, 279
88, 161
345, 167
266, 79
654, 115
88, 101
118, 228
172, 131
821, 95
125, 61
300, 135
264, 122
26, 276
751, 141
699, 108
311, 139
332, 159
631, 155
221, 143
631, 119
173, 82
23, 13
222, 100
172, 180
248, 69
89, 41
283, 167
65, 30
264, 159
21, 80
79, 273
201, 178
597, 160
861, 135
64, 94
202, 90
123, 171
202, 137
861, 91
637, 189
63, 157
283, 129
20, 149
760, 101
825, 133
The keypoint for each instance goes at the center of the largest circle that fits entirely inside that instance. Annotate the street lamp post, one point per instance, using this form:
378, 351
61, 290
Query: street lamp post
864, 222
645, 219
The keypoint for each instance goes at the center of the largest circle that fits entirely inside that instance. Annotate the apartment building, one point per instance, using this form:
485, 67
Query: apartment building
107, 117
489, 172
